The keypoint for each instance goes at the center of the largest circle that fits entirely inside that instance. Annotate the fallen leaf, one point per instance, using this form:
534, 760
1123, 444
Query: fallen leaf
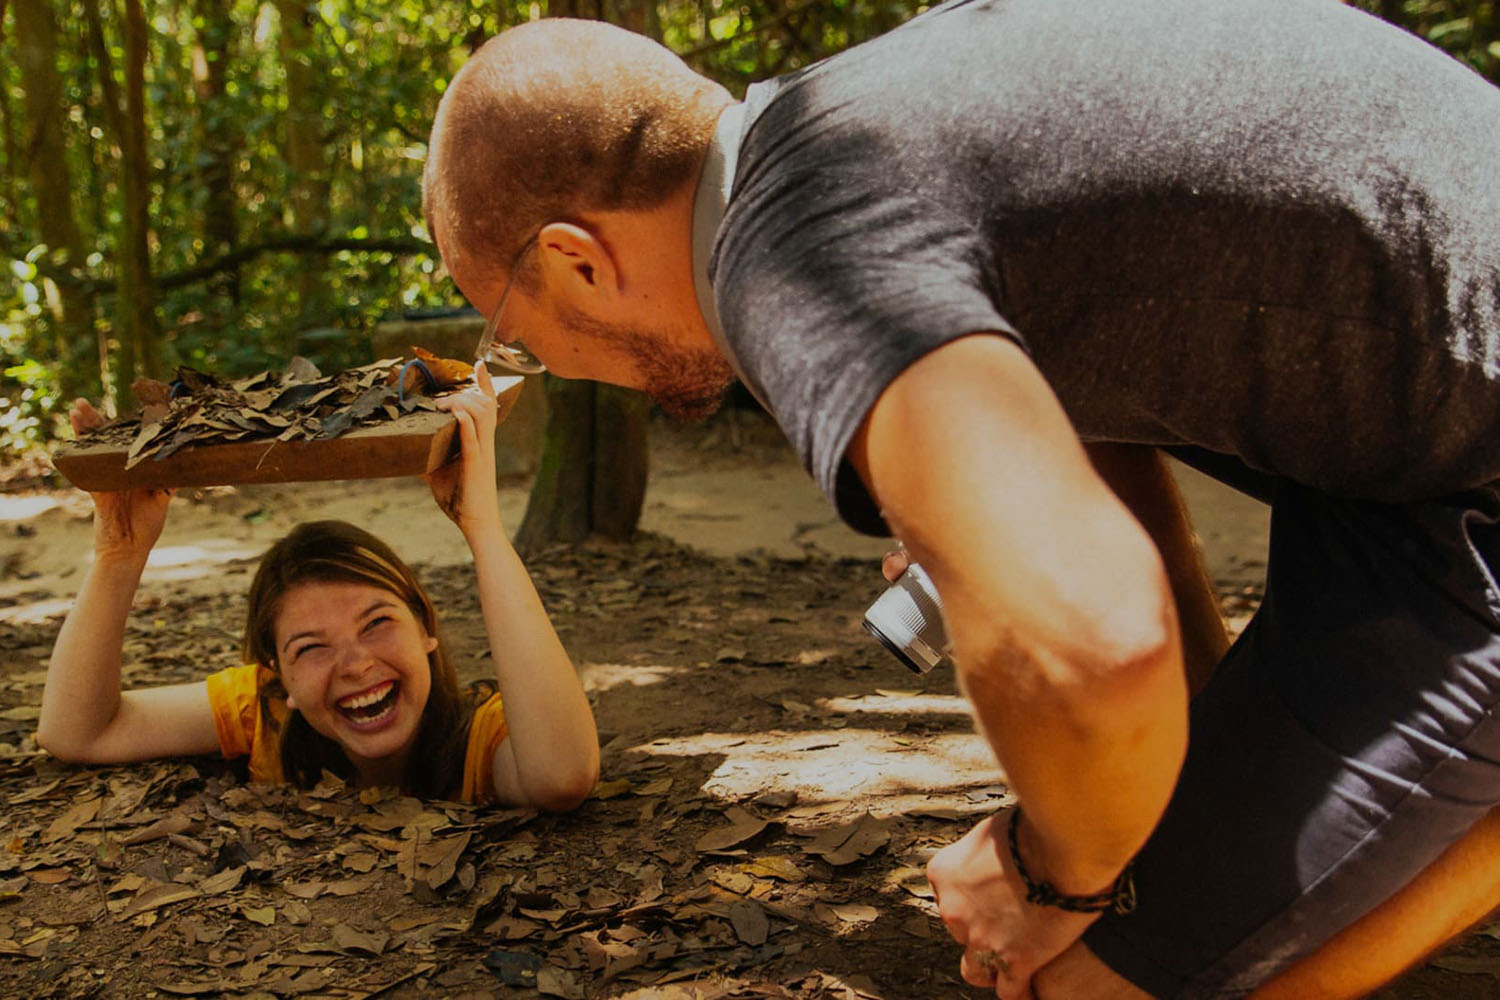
775, 866
175, 823
129, 883
440, 859
1469, 965
743, 825
306, 890
750, 922
348, 940
599, 898
224, 881
263, 915
362, 862
554, 982
914, 881
296, 912
348, 886
512, 928
737, 882
186, 988
842, 845
854, 913
611, 789
68, 823
154, 897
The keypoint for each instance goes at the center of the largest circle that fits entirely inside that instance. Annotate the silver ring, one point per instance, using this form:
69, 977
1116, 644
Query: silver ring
992, 962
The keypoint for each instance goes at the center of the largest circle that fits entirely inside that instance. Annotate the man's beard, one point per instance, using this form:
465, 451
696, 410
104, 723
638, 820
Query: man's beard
688, 385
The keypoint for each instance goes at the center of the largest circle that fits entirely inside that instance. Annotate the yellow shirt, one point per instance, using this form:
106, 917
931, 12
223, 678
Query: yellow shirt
234, 695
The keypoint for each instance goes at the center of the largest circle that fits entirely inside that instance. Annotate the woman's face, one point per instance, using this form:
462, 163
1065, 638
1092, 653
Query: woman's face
353, 660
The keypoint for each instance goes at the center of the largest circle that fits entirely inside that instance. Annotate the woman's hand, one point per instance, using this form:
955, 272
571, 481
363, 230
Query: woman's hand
127, 523
465, 490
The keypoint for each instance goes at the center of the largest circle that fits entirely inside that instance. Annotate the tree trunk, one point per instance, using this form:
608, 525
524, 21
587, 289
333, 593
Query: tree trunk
304, 155
44, 153
220, 140
137, 336
11, 146
592, 476
136, 299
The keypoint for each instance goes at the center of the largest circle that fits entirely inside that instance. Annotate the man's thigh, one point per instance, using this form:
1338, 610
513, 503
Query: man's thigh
1348, 738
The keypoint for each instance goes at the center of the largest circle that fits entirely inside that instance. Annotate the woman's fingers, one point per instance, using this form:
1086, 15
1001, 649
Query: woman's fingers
83, 417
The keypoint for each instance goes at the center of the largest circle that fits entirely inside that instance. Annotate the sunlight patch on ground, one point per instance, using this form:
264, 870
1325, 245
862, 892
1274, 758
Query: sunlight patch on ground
36, 612
835, 764
900, 703
192, 562
167, 563
606, 676
21, 506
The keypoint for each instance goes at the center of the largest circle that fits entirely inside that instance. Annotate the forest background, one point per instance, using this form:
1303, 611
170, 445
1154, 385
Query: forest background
227, 183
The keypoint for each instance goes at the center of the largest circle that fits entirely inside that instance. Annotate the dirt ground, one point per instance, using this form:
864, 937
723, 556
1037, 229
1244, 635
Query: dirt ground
773, 781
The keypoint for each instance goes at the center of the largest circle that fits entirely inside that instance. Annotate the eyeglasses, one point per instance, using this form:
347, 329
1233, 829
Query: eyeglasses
511, 355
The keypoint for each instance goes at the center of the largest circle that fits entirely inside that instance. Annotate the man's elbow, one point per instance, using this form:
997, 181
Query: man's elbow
1112, 654
1138, 655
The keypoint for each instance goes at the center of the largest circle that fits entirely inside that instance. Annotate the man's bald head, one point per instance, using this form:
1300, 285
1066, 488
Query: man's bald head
553, 118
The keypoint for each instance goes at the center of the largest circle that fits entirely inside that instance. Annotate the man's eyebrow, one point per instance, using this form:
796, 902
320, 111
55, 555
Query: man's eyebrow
381, 602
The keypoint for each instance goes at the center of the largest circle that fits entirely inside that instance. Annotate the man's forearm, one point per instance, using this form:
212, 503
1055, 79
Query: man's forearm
1139, 476
1063, 619
1093, 759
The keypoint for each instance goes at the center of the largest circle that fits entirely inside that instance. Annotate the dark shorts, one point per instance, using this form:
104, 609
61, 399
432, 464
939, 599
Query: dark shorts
1349, 736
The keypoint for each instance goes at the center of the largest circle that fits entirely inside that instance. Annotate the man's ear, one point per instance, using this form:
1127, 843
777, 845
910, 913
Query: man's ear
576, 263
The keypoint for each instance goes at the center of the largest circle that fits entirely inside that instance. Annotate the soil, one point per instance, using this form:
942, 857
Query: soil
773, 780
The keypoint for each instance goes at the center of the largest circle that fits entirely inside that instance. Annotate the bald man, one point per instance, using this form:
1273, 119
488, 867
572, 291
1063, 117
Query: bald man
981, 269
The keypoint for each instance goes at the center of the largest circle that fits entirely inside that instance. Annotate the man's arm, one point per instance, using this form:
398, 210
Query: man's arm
1060, 610
1139, 476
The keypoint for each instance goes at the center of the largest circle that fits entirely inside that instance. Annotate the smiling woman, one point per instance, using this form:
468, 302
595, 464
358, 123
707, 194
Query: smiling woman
345, 673
344, 667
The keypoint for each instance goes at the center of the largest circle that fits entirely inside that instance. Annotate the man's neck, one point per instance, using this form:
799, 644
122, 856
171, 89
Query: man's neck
711, 197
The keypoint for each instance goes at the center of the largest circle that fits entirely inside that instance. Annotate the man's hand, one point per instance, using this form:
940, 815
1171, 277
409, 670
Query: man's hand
465, 489
894, 563
982, 900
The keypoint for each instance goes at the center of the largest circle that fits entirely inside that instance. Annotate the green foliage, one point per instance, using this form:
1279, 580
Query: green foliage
1468, 30
218, 108
378, 70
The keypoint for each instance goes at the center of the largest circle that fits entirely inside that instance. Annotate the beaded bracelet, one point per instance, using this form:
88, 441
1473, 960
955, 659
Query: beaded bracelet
1120, 897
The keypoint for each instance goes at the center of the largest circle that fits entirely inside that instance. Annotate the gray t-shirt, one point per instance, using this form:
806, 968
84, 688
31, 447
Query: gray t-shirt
1265, 228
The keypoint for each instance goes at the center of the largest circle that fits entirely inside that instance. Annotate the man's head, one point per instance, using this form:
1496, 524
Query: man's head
588, 138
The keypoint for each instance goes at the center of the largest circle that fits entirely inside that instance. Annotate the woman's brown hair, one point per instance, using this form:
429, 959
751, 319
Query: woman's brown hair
339, 552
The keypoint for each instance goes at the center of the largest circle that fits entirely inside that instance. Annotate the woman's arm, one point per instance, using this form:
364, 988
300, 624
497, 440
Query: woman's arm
85, 717
551, 756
